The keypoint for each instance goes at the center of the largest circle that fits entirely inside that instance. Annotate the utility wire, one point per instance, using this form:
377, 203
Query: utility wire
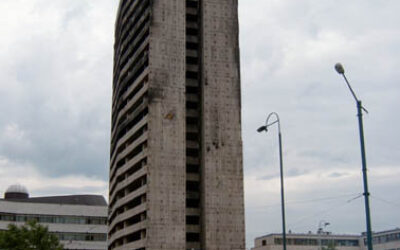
327, 210
322, 199
305, 201
386, 201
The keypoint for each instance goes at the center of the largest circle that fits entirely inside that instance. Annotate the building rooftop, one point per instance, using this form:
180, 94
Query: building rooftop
88, 200
309, 234
19, 193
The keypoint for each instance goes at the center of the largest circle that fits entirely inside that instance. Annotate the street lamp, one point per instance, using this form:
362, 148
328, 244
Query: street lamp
339, 68
321, 225
265, 128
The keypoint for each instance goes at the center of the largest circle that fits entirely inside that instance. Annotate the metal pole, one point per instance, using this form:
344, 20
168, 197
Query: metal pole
282, 192
364, 170
339, 68
319, 237
265, 128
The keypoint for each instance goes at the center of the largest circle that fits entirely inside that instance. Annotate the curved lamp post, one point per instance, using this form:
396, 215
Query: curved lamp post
339, 68
265, 128
321, 225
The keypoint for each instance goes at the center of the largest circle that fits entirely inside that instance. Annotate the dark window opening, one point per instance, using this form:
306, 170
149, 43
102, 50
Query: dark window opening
191, 18
136, 219
192, 237
192, 186
192, 75
135, 202
192, 136
190, 168
192, 90
192, 203
192, 152
192, 60
192, 105
192, 220
192, 120
137, 184
192, 31
191, 4
134, 236
190, 45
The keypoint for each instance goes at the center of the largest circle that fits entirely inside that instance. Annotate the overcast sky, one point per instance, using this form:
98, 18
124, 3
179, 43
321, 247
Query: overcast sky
55, 98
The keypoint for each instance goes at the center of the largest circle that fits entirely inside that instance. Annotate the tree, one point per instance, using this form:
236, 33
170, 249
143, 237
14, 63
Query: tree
331, 246
28, 237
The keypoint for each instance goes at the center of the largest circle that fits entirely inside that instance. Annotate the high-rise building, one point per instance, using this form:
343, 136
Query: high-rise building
176, 175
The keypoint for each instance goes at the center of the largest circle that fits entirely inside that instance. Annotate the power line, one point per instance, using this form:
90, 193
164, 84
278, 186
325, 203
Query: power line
386, 201
327, 210
322, 199
306, 201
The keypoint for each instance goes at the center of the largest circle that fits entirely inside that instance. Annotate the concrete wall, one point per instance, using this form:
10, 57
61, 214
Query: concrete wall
223, 206
166, 160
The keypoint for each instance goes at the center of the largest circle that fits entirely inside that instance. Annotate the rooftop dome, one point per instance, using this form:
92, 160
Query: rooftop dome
16, 191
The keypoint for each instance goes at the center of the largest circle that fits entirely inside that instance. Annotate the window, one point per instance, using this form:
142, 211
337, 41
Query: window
58, 219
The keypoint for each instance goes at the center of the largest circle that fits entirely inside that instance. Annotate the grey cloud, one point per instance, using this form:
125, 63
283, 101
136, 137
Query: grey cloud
288, 53
57, 98
292, 172
337, 175
55, 90
324, 156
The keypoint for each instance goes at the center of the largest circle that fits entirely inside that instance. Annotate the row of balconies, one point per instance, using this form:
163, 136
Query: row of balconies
134, 32
129, 98
136, 67
136, 98
125, 171
128, 219
124, 26
128, 179
125, 131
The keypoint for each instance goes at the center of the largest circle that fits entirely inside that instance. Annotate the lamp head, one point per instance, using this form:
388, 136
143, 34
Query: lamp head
339, 68
262, 128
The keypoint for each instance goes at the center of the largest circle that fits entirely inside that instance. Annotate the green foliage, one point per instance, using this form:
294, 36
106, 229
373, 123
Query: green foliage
331, 246
28, 237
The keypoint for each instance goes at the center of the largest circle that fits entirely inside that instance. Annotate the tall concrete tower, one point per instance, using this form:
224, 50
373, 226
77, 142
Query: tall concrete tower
176, 175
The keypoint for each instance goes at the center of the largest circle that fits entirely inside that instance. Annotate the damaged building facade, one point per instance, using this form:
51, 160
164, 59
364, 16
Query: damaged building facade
176, 175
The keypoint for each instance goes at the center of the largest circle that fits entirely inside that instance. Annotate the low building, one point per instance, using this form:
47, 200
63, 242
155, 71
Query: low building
79, 221
385, 240
308, 241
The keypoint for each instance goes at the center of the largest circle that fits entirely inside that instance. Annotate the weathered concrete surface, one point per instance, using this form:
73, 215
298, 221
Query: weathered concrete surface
223, 205
164, 139
167, 169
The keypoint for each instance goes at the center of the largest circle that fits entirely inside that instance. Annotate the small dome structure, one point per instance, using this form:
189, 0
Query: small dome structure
16, 191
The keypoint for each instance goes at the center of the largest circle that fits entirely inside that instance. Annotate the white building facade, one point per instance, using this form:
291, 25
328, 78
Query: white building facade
79, 221
385, 240
307, 242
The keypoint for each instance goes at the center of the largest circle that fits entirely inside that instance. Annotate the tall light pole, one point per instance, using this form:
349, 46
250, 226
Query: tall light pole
265, 128
321, 225
339, 68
